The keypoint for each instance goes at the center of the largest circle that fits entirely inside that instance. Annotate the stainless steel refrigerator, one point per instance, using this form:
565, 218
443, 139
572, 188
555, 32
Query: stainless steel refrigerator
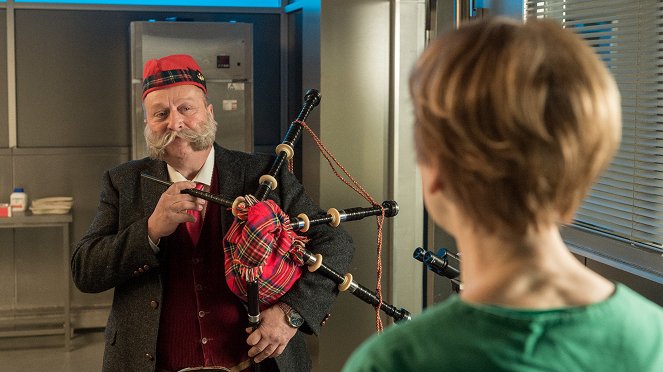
224, 53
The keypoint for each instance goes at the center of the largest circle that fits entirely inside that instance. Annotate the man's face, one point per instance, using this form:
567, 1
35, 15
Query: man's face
178, 121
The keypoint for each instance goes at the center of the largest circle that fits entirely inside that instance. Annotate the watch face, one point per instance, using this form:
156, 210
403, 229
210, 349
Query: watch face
295, 319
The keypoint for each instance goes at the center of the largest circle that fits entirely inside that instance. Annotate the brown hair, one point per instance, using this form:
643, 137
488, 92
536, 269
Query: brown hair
520, 119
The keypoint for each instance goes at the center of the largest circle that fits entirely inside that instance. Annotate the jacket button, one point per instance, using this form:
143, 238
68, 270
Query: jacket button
154, 304
146, 267
136, 273
324, 321
149, 356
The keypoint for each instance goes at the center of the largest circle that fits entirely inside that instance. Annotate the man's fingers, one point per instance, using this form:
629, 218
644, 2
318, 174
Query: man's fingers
181, 206
177, 187
171, 210
260, 347
254, 337
278, 351
265, 353
257, 349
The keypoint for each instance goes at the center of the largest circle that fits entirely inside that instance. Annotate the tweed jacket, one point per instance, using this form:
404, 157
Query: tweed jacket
116, 246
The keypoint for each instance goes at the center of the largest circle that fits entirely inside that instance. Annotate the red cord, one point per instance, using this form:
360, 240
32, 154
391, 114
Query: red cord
362, 192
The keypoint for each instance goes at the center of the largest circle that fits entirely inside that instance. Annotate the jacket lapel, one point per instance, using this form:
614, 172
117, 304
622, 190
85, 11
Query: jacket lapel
151, 191
230, 179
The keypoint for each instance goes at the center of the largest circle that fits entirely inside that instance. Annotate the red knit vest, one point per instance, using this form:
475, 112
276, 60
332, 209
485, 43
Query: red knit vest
202, 323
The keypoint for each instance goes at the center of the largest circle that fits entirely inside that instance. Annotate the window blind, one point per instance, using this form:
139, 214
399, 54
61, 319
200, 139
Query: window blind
627, 201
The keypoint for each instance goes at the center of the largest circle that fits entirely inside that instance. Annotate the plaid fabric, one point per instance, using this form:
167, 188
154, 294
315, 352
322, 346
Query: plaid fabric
260, 244
169, 77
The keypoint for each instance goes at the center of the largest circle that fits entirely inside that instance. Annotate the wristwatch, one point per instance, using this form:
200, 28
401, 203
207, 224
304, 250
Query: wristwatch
291, 315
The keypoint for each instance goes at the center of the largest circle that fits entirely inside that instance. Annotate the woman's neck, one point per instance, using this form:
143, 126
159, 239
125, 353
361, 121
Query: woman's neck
536, 272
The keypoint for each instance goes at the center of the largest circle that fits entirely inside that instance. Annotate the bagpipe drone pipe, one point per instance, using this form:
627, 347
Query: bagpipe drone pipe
442, 263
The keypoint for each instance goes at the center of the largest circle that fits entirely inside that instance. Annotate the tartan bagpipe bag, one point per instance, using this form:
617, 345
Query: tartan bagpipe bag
260, 244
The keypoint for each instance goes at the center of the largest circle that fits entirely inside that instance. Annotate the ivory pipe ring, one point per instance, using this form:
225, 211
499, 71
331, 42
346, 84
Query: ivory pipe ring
307, 223
346, 283
284, 147
269, 179
336, 216
239, 200
317, 264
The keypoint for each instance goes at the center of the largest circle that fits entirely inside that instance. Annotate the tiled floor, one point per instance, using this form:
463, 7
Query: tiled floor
47, 354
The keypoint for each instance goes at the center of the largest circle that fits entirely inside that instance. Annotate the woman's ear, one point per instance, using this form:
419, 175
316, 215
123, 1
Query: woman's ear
438, 183
430, 178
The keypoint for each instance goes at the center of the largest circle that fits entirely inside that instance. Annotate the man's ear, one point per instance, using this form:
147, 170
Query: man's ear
210, 108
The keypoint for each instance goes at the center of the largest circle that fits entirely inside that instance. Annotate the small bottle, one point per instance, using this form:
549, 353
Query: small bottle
18, 200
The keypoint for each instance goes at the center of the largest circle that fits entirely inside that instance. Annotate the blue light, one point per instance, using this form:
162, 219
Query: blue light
224, 3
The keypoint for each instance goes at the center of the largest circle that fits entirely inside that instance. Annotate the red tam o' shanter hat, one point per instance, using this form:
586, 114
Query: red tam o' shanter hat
176, 69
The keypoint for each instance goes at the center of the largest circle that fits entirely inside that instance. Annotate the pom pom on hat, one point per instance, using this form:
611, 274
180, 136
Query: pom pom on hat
176, 69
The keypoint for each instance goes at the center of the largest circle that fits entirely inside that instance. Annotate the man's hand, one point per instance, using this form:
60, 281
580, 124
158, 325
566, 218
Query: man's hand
171, 210
272, 335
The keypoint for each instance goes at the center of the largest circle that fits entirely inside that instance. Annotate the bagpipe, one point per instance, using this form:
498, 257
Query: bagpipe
246, 261
442, 263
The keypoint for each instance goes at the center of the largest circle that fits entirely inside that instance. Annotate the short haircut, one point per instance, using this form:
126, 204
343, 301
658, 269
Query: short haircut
520, 120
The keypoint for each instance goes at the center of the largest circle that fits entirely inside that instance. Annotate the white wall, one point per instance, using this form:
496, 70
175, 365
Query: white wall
364, 119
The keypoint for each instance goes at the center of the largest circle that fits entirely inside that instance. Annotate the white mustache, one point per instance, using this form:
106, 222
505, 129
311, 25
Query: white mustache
199, 139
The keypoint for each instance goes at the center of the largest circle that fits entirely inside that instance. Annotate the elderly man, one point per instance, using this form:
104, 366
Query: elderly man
162, 251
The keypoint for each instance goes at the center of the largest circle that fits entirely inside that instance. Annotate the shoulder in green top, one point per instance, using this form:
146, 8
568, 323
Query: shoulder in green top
622, 333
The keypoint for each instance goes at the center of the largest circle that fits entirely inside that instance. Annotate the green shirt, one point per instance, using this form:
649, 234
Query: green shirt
622, 333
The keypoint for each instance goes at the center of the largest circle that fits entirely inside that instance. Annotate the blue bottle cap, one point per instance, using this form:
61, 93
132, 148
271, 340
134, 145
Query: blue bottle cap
18, 189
